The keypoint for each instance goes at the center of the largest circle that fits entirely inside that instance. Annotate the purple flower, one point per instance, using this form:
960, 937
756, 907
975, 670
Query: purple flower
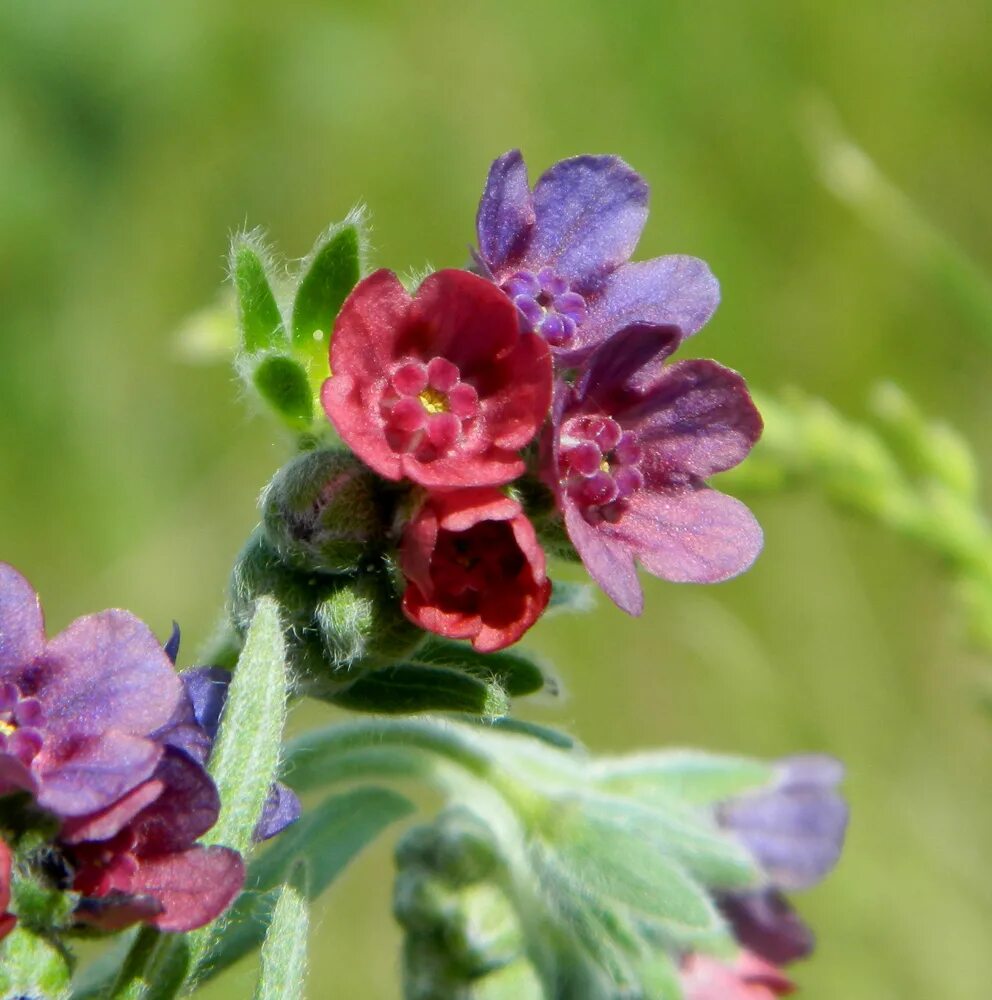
631, 444
77, 712
795, 829
562, 251
765, 923
193, 729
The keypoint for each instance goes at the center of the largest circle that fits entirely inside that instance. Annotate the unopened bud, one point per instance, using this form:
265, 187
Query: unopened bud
324, 511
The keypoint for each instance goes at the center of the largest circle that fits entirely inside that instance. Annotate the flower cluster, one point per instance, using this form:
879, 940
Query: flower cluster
544, 373
103, 746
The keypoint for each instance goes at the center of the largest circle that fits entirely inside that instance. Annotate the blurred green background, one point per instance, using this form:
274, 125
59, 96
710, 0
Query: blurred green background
134, 138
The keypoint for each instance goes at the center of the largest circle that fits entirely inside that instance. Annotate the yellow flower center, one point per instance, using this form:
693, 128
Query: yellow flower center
7, 727
434, 400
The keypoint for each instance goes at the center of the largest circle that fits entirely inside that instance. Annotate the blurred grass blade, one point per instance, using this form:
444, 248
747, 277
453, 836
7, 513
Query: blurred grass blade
284, 951
258, 312
327, 838
327, 275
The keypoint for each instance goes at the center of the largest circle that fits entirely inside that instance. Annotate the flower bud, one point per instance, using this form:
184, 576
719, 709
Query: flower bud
455, 846
323, 511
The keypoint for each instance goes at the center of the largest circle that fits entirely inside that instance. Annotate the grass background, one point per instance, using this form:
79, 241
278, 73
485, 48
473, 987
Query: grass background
134, 138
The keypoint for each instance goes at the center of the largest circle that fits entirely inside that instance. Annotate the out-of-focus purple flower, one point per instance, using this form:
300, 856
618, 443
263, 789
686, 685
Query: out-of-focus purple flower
561, 252
631, 445
765, 923
77, 712
794, 829
139, 860
7, 920
193, 729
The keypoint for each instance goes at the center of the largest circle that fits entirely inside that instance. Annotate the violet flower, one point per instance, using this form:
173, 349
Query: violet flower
561, 252
77, 712
631, 444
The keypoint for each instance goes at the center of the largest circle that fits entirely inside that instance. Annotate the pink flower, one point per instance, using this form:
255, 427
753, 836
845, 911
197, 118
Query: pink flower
442, 388
746, 978
474, 568
7, 920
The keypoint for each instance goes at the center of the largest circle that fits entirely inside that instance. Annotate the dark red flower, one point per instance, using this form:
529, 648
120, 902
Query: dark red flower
7, 920
77, 712
746, 978
139, 860
441, 388
474, 567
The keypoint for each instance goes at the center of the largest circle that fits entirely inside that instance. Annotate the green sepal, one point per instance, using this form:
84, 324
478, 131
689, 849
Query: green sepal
516, 981
33, 966
515, 672
406, 688
258, 312
284, 951
327, 838
327, 274
282, 382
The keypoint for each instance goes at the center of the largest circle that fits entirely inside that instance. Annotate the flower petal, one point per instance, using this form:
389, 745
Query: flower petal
193, 887
22, 627
610, 376
690, 535
282, 808
506, 213
608, 560
590, 211
105, 671
765, 923
668, 291
696, 419
80, 776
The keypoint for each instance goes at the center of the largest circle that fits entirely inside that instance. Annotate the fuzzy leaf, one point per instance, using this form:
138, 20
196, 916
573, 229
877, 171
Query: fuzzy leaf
284, 951
515, 672
258, 313
31, 966
328, 274
245, 757
326, 838
692, 776
283, 383
407, 688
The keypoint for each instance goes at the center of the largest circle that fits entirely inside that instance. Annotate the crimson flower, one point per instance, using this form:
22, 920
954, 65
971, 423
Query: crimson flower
441, 388
561, 253
474, 568
747, 978
7, 920
631, 445
77, 712
139, 860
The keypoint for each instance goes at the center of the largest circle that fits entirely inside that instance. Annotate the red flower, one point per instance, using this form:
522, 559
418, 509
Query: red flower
7, 920
474, 567
441, 388
747, 978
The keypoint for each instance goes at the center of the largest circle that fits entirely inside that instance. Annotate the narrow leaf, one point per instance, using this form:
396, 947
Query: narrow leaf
258, 313
407, 688
284, 385
246, 755
515, 672
284, 951
328, 274
327, 838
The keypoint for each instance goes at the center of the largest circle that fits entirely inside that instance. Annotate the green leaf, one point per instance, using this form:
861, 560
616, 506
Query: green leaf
258, 313
692, 776
245, 757
284, 951
515, 672
32, 966
407, 688
284, 385
327, 838
327, 275
553, 737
